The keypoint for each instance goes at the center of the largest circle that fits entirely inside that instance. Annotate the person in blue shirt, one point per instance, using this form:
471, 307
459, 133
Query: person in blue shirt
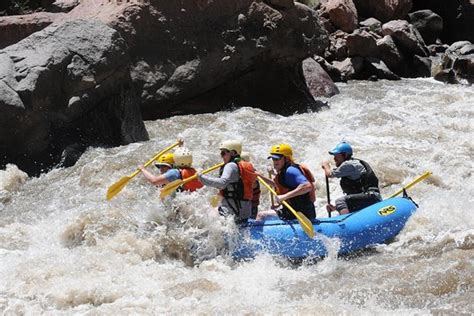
294, 184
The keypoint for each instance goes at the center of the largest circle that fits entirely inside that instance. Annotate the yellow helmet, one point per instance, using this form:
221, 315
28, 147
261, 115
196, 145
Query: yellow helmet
165, 160
232, 145
183, 158
245, 156
282, 150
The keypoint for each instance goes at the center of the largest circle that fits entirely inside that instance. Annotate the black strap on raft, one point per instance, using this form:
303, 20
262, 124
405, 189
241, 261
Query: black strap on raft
405, 196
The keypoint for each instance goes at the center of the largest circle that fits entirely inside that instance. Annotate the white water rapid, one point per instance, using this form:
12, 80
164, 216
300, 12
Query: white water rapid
65, 250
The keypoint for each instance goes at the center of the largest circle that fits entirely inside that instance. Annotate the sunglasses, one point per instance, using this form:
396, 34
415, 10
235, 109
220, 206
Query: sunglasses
224, 152
277, 159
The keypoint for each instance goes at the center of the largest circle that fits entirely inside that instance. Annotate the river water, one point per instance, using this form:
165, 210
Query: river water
65, 250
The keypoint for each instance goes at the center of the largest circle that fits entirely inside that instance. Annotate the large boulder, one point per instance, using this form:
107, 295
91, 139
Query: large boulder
197, 57
388, 51
428, 23
318, 80
383, 10
343, 14
65, 88
362, 43
457, 15
457, 64
406, 36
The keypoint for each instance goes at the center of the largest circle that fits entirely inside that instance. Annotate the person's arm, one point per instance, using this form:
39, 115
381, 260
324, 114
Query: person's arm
299, 190
230, 174
327, 169
266, 179
296, 177
156, 180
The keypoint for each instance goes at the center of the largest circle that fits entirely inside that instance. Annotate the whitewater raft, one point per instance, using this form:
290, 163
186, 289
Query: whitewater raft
376, 224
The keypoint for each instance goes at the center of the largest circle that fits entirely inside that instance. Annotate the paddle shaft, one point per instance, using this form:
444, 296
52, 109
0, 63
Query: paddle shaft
271, 195
191, 178
302, 219
409, 185
329, 196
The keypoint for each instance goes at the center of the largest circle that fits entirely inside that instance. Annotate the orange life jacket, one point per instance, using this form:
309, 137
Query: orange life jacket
281, 189
243, 189
192, 185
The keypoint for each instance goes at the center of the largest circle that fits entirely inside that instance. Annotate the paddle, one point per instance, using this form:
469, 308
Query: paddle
172, 186
120, 184
302, 219
270, 174
329, 197
409, 185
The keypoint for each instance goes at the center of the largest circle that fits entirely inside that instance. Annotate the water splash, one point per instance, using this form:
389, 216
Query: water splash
64, 249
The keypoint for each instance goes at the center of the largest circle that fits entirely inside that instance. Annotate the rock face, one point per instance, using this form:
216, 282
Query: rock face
209, 54
75, 85
62, 89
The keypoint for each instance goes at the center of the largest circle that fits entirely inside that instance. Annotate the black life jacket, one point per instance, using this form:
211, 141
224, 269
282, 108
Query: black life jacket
242, 190
301, 202
367, 182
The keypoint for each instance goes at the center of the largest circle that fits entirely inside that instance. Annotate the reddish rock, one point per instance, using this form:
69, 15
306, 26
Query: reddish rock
17, 27
337, 49
343, 14
388, 51
362, 43
406, 36
319, 82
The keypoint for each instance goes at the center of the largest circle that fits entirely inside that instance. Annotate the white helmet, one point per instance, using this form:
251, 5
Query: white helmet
231, 145
245, 156
183, 158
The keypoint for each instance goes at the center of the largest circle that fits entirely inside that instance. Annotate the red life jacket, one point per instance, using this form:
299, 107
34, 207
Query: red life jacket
256, 194
192, 185
282, 189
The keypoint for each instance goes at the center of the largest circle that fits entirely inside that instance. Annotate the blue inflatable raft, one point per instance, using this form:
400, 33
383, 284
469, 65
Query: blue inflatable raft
372, 225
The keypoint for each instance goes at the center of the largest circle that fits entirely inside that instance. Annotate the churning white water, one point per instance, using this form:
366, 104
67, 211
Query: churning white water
65, 250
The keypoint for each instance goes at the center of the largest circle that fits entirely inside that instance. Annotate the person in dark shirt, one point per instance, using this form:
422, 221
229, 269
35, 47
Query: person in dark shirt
358, 181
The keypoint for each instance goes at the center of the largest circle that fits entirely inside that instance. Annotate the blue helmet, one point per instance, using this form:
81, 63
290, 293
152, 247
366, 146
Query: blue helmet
340, 148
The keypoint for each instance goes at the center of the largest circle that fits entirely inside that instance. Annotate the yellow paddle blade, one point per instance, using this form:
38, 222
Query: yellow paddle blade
302, 219
115, 188
215, 200
172, 186
305, 223
409, 185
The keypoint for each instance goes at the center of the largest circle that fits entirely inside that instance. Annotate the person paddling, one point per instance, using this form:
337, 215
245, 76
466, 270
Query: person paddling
358, 181
183, 160
294, 184
165, 163
235, 182
174, 166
